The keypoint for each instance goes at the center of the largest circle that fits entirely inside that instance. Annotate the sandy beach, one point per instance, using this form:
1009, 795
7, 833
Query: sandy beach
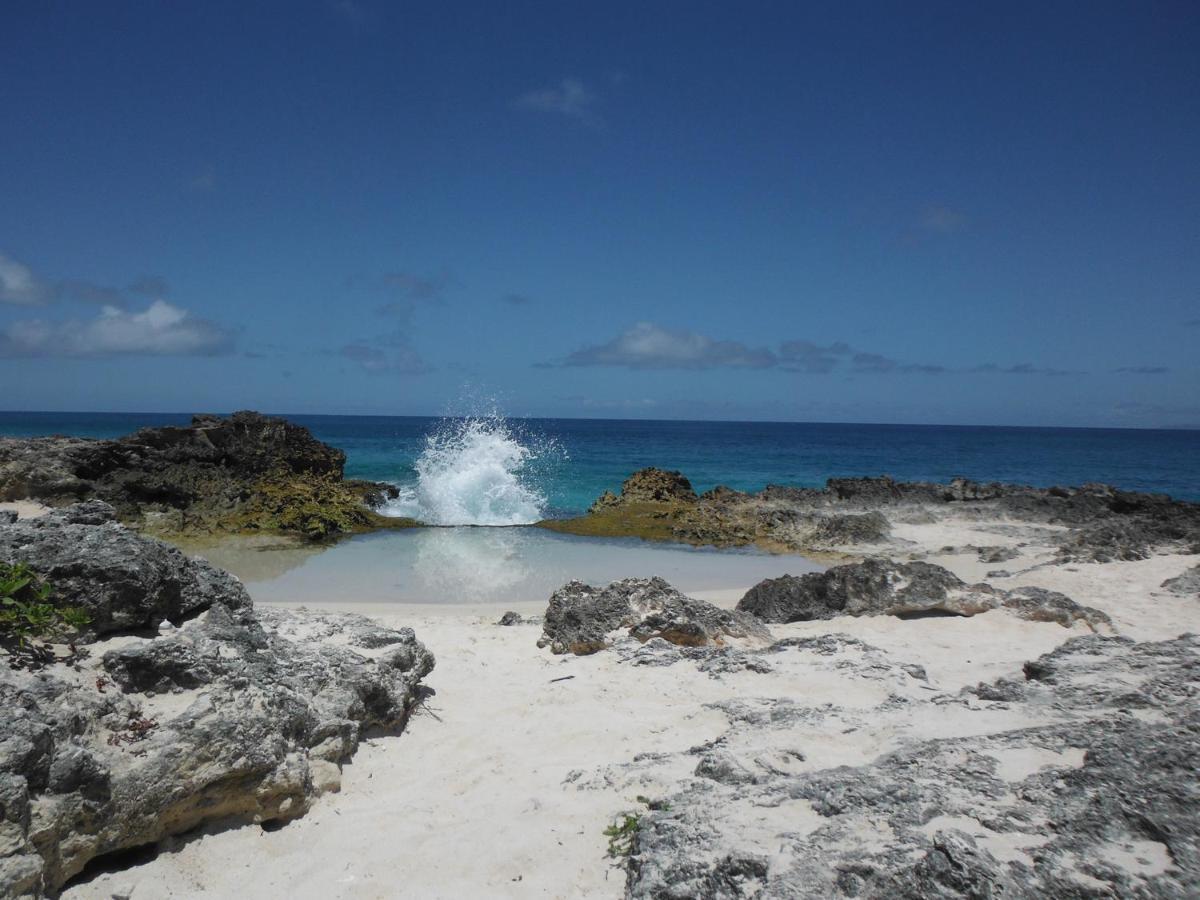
507, 776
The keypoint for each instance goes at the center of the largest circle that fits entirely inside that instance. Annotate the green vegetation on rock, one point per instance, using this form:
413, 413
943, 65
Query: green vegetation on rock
27, 613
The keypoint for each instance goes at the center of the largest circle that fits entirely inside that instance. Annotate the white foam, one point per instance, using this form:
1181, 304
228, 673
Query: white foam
473, 471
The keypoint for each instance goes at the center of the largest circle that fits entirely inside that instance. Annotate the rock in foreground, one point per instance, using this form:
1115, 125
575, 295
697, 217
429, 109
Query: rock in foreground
1099, 799
582, 619
237, 713
125, 582
879, 587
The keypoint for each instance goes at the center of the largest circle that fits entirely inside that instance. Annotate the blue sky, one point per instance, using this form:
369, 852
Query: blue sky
935, 212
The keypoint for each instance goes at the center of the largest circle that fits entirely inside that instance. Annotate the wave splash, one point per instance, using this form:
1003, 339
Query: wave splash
475, 471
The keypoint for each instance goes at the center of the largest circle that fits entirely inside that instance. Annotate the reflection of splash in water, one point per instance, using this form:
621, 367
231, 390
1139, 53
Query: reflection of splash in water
458, 565
475, 471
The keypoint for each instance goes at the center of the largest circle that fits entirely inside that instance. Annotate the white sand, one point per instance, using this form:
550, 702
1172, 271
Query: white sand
503, 784
25, 509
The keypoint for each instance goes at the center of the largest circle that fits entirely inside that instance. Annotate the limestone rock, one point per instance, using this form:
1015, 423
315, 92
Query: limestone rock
1100, 801
1187, 583
657, 486
582, 619
124, 581
882, 587
236, 714
244, 472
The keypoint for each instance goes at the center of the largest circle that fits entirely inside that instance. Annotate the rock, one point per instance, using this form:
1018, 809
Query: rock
124, 581
236, 714
1040, 605
647, 486
1187, 583
582, 619
997, 554
1096, 802
882, 587
841, 530
880, 491
510, 618
244, 472
1102, 523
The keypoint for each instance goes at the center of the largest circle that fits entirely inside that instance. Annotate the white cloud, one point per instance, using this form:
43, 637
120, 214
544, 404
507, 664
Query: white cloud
19, 286
402, 360
647, 346
159, 330
570, 98
942, 219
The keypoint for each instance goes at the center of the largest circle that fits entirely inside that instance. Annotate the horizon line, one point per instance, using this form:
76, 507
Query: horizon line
294, 415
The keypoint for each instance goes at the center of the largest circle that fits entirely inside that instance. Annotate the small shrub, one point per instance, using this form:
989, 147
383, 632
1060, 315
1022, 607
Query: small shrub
621, 835
27, 612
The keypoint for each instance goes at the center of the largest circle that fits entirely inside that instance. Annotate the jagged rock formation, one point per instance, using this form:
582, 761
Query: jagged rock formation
247, 472
148, 733
878, 587
1103, 523
1187, 583
582, 619
1098, 798
125, 582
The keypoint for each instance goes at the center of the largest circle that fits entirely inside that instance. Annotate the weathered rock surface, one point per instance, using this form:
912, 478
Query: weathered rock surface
582, 619
124, 581
237, 714
246, 472
1099, 799
878, 587
654, 486
1102, 523
1187, 583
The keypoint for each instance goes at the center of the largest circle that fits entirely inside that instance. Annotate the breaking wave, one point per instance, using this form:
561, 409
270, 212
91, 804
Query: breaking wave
477, 471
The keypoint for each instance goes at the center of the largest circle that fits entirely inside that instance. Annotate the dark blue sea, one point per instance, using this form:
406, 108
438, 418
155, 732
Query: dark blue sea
497, 471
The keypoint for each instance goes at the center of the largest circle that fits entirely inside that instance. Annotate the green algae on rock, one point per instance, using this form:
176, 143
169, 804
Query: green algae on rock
243, 473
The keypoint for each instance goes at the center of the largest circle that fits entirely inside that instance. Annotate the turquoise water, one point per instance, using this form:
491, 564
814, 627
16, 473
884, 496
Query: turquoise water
561, 465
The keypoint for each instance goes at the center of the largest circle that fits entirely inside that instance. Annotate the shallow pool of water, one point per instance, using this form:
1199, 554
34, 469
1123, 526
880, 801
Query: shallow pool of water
481, 565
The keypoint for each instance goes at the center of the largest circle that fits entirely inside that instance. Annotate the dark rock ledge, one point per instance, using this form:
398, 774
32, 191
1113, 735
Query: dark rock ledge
1102, 522
882, 587
183, 705
244, 473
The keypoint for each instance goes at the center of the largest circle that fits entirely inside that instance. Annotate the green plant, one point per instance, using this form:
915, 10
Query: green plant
26, 611
621, 835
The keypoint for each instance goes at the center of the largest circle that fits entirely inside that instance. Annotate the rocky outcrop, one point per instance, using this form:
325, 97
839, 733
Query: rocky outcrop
1097, 798
651, 486
582, 619
878, 587
1102, 523
846, 530
246, 472
1187, 583
236, 714
125, 582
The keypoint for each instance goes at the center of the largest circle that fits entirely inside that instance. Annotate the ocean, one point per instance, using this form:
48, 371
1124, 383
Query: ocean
502, 471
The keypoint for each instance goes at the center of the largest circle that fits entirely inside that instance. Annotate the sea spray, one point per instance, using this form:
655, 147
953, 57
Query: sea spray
477, 471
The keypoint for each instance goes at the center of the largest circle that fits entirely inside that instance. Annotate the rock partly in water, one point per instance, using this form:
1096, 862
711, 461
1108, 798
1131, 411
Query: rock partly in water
582, 619
246, 472
1102, 523
237, 714
881, 587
